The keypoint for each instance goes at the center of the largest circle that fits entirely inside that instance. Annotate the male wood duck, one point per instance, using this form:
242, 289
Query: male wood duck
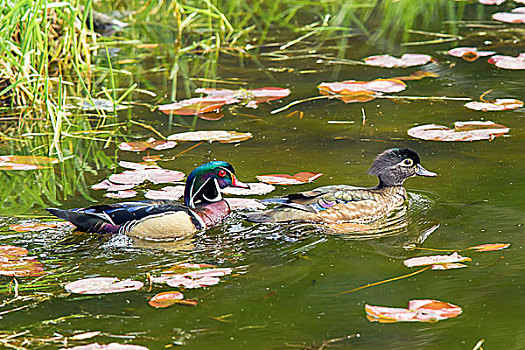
343, 203
203, 208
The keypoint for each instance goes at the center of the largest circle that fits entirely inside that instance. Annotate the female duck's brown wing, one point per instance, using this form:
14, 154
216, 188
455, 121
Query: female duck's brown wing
319, 205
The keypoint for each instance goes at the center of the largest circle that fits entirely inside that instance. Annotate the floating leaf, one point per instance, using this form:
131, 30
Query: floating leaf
187, 302
448, 266
190, 283
39, 226
144, 145
361, 91
26, 162
110, 186
111, 346
407, 60
192, 275
251, 97
424, 310
139, 166
510, 17
244, 203
435, 259
168, 192
418, 75
256, 188
508, 62
490, 247
285, 179
165, 299
186, 267
84, 336
155, 175
121, 194
491, 2
463, 131
469, 54
102, 285
500, 104
221, 136
197, 105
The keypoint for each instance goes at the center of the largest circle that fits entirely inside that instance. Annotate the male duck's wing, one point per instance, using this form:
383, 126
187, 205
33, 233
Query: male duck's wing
108, 218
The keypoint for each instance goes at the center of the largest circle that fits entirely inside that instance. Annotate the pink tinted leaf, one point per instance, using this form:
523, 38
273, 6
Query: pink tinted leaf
519, 9
84, 336
129, 177
15, 162
168, 192
500, 104
211, 135
509, 17
490, 247
121, 194
102, 285
144, 145
187, 302
139, 166
491, 2
212, 272
469, 53
109, 186
190, 283
165, 299
463, 131
251, 97
110, 346
197, 105
407, 60
425, 310
285, 179
158, 176
186, 267
39, 226
508, 62
448, 266
256, 188
435, 259
244, 203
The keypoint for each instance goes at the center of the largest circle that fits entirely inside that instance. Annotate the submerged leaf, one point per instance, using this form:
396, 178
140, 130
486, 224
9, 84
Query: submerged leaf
165, 299
422, 310
20, 267
435, 259
463, 131
11, 251
211, 135
418, 75
84, 336
198, 105
407, 60
490, 247
102, 285
448, 266
140, 146
469, 54
285, 179
121, 194
500, 104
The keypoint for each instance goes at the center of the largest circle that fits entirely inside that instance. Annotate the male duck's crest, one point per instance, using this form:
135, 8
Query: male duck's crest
163, 219
205, 182
343, 203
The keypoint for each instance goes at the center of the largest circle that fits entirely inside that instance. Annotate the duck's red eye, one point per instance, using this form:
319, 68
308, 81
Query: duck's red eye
222, 173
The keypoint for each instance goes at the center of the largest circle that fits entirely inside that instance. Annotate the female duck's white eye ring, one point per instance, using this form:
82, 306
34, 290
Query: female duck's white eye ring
408, 162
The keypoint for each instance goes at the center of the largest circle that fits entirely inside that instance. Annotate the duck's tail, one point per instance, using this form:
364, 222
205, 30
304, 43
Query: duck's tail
84, 222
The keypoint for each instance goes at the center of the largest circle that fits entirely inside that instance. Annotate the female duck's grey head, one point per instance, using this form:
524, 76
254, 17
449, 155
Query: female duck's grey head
395, 165
205, 182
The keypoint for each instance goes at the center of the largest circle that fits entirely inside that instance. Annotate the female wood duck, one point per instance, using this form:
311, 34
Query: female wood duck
343, 203
203, 208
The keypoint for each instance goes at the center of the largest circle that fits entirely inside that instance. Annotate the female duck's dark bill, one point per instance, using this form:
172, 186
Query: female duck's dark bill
237, 183
424, 172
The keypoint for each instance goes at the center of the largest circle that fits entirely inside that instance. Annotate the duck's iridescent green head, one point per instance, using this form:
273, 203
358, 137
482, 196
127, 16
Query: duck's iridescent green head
205, 182
395, 165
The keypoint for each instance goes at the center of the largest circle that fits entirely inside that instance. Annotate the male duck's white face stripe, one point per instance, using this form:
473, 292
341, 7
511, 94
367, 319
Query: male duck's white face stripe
219, 196
216, 199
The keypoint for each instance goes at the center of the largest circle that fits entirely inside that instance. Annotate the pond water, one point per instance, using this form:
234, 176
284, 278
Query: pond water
287, 278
